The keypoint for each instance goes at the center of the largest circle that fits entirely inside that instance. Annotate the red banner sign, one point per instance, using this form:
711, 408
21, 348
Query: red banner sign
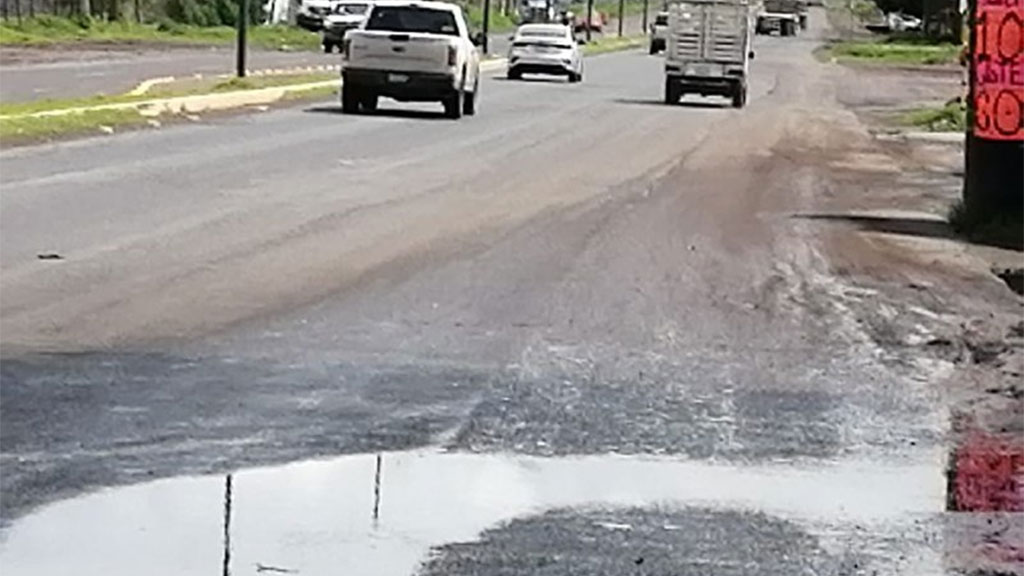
999, 69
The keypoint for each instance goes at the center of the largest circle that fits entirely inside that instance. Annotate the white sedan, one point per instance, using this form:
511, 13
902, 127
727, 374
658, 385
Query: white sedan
545, 49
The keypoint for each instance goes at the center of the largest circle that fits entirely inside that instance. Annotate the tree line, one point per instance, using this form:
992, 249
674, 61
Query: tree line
195, 12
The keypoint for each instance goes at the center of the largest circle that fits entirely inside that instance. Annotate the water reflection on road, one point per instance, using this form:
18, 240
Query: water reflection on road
317, 517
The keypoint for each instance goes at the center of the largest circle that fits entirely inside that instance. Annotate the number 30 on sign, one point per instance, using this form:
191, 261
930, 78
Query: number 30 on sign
999, 70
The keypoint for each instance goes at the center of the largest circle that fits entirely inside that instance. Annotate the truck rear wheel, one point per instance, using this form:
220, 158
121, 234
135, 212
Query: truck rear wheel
787, 28
349, 99
672, 92
739, 96
469, 101
453, 105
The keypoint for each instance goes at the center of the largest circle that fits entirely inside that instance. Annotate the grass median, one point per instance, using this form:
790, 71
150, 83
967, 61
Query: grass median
603, 44
948, 118
44, 31
894, 51
21, 123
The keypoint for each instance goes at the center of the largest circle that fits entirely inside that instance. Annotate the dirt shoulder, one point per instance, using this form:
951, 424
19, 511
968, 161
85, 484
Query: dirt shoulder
932, 304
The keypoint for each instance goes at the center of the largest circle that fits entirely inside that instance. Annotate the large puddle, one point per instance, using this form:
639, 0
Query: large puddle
317, 517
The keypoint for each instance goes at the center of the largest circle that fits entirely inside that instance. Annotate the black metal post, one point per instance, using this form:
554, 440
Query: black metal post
486, 40
994, 147
622, 15
590, 17
227, 526
376, 488
643, 25
243, 24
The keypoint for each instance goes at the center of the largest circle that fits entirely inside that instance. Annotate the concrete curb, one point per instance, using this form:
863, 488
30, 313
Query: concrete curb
217, 101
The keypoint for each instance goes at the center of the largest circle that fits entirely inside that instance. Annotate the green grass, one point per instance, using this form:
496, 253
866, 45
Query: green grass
950, 118
603, 44
895, 51
498, 22
49, 30
27, 130
24, 130
185, 88
611, 8
257, 82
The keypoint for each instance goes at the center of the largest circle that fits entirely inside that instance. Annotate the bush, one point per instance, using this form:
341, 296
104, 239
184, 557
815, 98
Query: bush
210, 12
1003, 229
949, 118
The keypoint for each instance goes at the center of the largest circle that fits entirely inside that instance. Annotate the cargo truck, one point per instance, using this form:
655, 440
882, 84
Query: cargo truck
708, 50
782, 16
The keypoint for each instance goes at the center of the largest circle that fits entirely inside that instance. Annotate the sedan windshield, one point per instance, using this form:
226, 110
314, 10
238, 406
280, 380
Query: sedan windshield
412, 19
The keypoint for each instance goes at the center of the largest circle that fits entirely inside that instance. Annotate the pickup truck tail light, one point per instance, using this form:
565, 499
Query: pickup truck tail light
453, 56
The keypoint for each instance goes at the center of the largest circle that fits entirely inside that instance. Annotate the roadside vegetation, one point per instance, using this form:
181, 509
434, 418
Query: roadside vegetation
53, 30
185, 87
611, 43
1003, 230
19, 125
895, 50
948, 118
26, 129
498, 22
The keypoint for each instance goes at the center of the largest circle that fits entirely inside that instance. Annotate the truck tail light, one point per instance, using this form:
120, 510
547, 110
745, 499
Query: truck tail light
453, 56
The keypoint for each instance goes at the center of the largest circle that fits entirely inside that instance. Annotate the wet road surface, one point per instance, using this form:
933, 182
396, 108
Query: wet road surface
578, 270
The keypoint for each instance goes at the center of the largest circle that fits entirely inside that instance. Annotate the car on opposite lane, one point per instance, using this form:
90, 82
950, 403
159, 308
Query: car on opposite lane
545, 49
343, 17
311, 13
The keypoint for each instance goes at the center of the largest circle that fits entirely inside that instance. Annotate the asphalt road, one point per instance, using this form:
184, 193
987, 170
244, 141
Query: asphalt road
37, 74
579, 269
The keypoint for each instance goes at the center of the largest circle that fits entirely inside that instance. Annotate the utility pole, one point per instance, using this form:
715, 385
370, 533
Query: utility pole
622, 14
590, 17
994, 149
486, 40
643, 25
243, 24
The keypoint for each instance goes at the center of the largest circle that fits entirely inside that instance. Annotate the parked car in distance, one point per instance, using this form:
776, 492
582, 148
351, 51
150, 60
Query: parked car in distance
311, 14
659, 32
545, 49
412, 52
343, 17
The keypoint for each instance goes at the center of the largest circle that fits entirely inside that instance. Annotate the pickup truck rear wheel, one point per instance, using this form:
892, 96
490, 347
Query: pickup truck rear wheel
328, 47
349, 99
453, 104
469, 101
368, 102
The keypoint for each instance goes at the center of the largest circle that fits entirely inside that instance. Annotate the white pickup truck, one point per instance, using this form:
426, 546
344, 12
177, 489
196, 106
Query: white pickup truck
412, 52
